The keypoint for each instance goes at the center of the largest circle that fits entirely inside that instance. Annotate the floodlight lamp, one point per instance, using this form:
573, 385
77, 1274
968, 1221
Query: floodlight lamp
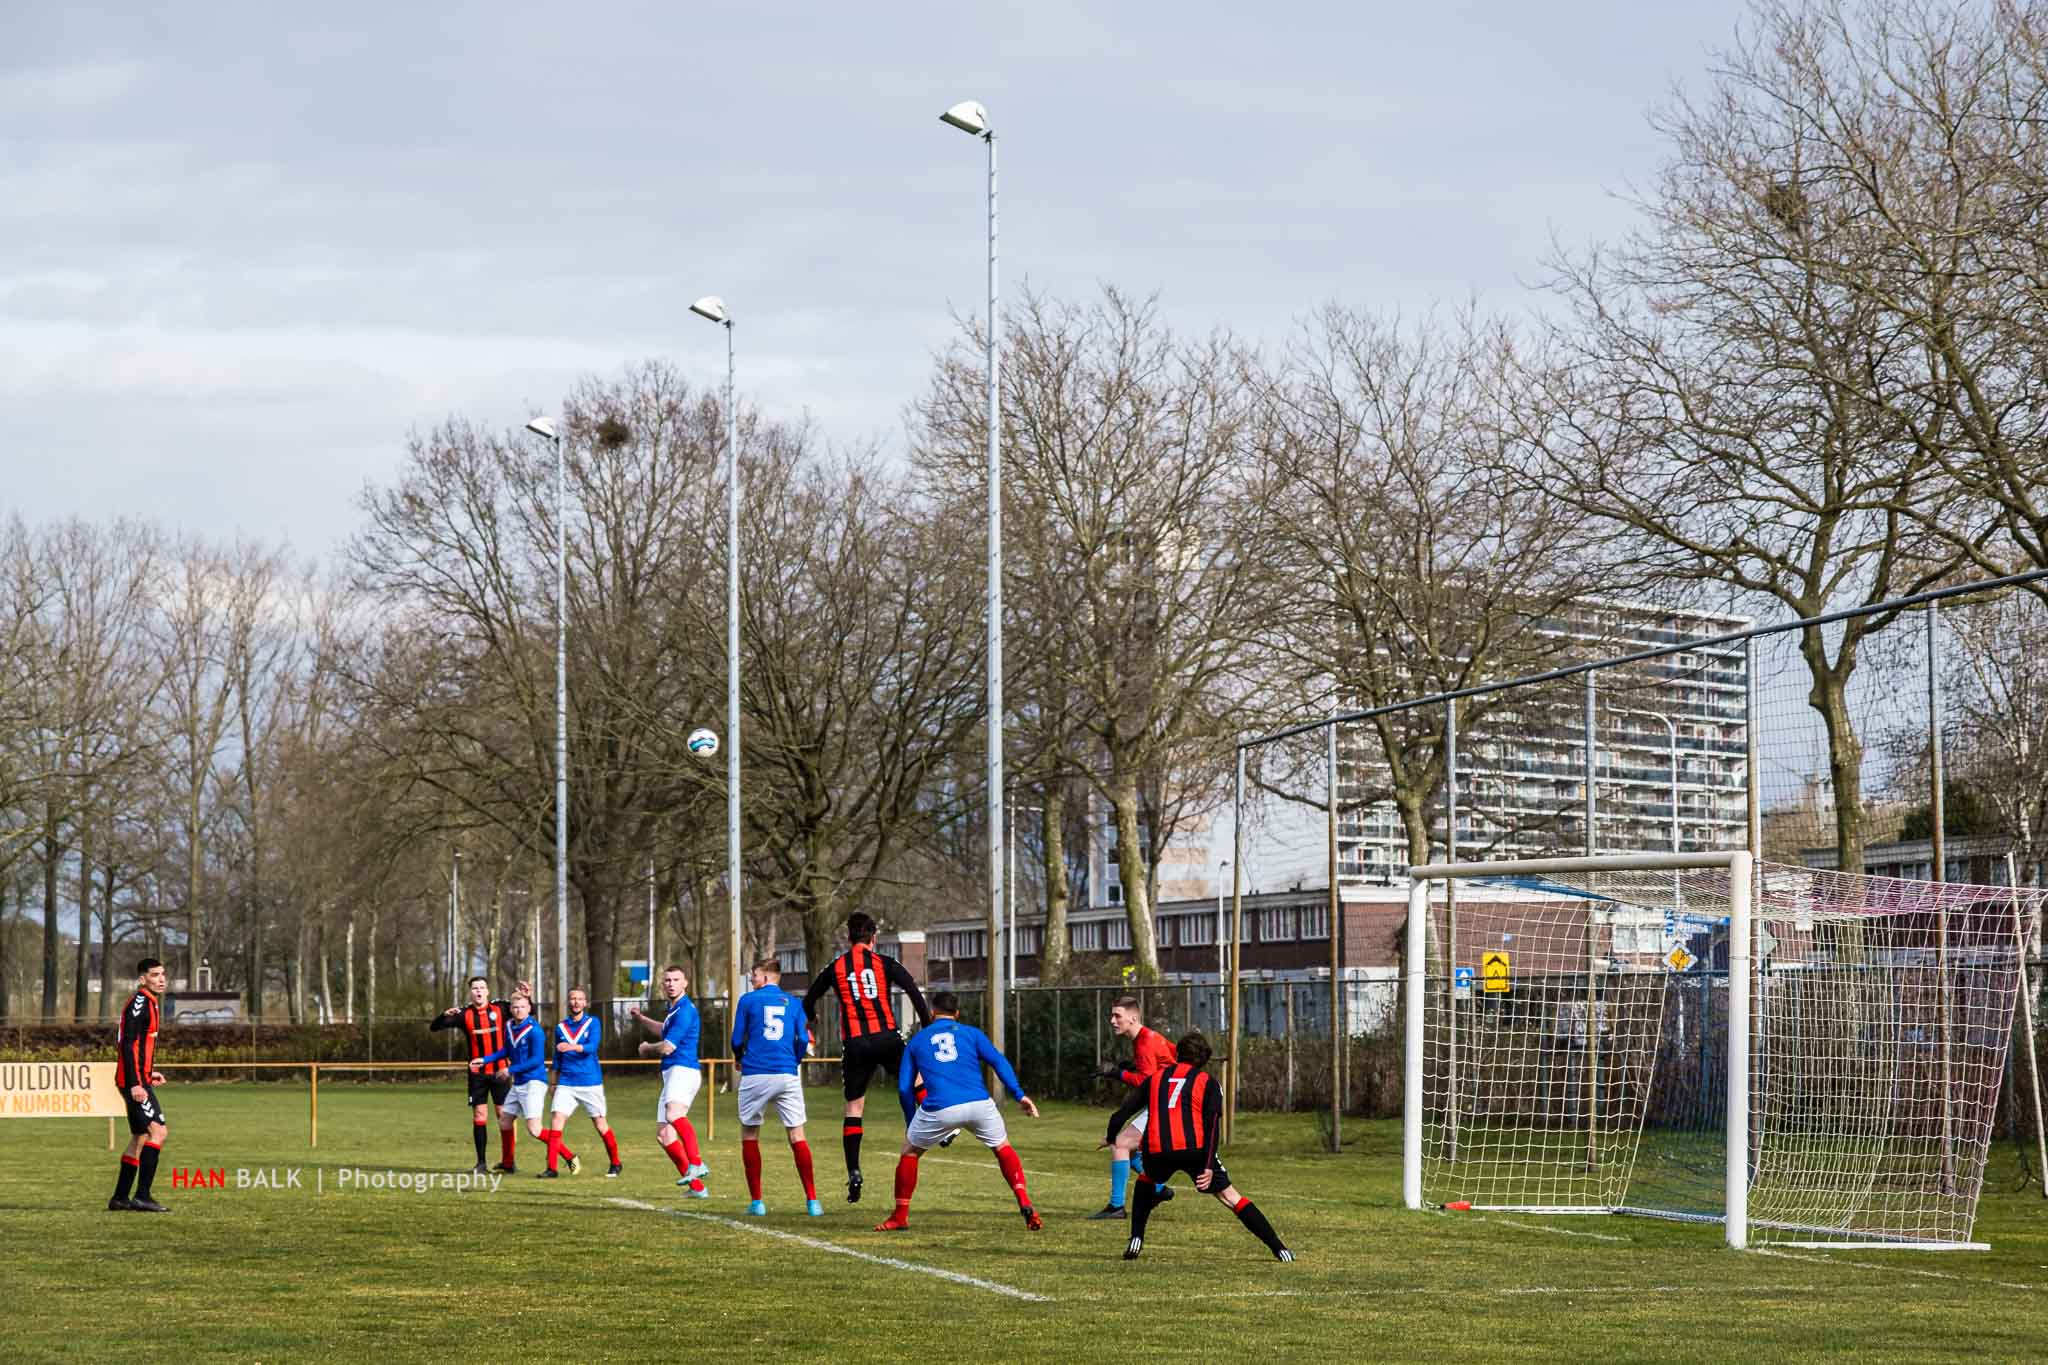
968, 116
713, 307
543, 426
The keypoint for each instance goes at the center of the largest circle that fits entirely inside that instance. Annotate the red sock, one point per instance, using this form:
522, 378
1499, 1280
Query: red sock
611, 1145
1013, 1172
906, 1185
506, 1139
689, 1139
553, 1141
750, 1157
802, 1151
674, 1148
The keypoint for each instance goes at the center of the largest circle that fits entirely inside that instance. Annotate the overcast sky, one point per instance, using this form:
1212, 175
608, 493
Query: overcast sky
243, 253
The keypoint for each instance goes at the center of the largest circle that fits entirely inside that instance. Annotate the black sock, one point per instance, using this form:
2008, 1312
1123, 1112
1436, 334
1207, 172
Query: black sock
126, 1180
479, 1133
1144, 1199
849, 1138
145, 1169
1256, 1224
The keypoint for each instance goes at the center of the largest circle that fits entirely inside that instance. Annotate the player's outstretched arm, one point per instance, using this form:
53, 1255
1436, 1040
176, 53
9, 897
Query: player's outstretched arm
1133, 1105
1000, 1064
906, 1077
900, 977
1212, 1129
448, 1018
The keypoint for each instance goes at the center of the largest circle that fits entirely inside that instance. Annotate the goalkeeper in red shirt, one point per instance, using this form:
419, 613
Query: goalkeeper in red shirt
1150, 1054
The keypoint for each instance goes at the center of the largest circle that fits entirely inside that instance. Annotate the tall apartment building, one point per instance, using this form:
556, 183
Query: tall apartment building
1670, 740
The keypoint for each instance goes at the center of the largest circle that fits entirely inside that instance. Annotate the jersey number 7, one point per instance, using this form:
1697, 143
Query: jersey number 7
1173, 1089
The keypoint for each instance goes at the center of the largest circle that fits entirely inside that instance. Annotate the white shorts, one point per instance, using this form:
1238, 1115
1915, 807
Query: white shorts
678, 1086
528, 1100
979, 1117
1140, 1120
786, 1093
591, 1097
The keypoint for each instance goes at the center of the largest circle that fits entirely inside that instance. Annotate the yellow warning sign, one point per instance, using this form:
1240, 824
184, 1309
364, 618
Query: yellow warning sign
1493, 971
1678, 959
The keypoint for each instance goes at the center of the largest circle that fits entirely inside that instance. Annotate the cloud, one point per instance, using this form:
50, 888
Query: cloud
55, 91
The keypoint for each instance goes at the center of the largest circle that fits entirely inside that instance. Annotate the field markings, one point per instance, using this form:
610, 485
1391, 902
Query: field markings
819, 1244
1544, 1227
1896, 1269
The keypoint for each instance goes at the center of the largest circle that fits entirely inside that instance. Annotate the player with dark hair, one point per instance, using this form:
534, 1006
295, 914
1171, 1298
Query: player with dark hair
483, 1022
950, 1056
859, 980
1150, 1054
769, 1041
1185, 1117
135, 1072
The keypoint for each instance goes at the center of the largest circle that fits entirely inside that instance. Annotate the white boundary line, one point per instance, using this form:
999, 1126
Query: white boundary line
1895, 1269
1556, 1232
818, 1244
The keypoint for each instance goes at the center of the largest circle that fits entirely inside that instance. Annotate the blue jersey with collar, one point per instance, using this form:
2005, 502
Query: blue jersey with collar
526, 1046
769, 1034
681, 1028
949, 1056
578, 1068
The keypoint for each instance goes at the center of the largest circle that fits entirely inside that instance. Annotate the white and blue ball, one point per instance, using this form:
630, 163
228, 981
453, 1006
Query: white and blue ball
703, 743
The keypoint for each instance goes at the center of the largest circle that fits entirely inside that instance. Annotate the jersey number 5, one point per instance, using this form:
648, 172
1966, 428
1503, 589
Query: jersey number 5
944, 1048
771, 1022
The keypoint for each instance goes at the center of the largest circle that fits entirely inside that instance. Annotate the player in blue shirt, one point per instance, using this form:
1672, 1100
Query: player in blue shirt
526, 1050
770, 1039
950, 1055
680, 1079
579, 1078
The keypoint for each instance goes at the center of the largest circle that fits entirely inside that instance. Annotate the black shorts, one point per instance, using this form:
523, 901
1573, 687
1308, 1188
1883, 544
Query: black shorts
493, 1089
1160, 1168
140, 1116
859, 1058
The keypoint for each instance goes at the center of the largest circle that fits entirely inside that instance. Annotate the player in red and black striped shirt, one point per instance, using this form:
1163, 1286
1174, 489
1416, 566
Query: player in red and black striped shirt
484, 1022
859, 980
1185, 1105
136, 1074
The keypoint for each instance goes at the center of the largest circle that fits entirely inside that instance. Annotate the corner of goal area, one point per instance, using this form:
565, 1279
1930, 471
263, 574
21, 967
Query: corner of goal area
1632, 1034
819, 1244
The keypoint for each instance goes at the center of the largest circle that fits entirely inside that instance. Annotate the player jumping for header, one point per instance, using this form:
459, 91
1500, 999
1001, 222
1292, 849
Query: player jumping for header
950, 1055
1185, 1115
859, 979
769, 1040
680, 1080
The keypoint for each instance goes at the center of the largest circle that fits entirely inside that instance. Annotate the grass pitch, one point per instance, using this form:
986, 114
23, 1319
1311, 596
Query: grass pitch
596, 1269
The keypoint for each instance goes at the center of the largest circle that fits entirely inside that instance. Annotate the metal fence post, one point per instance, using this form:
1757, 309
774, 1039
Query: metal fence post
1592, 768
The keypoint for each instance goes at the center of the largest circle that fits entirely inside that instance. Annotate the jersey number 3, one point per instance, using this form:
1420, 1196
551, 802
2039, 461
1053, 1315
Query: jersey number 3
944, 1048
771, 1022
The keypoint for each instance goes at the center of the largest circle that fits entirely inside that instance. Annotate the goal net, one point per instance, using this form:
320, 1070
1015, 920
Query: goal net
1808, 1057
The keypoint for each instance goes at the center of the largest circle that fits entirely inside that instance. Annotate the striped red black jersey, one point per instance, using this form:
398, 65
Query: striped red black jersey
135, 1045
1151, 1053
484, 1026
1184, 1111
859, 979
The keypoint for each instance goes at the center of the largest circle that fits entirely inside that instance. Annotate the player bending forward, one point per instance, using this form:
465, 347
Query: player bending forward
525, 1051
1184, 1113
1150, 1054
579, 1080
769, 1040
950, 1055
680, 1079
135, 1072
860, 979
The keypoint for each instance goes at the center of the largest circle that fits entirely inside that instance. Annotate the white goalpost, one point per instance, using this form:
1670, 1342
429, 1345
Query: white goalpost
1803, 1056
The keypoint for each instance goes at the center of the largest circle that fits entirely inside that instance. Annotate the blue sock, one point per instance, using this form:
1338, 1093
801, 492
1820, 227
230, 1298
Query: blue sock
1119, 1178
1138, 1162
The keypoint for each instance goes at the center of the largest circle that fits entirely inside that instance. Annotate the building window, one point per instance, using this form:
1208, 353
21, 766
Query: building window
1030, 939
1197, 931
1087, 937
1119, 936
1277, 925
958, 943
1315, 922
793, 960
1116, 893
1162, 930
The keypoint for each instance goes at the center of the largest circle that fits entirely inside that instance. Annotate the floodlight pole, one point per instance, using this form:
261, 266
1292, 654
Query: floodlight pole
713, 309
541, 426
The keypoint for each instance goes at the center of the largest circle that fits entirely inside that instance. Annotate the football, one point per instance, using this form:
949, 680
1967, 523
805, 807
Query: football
703, 742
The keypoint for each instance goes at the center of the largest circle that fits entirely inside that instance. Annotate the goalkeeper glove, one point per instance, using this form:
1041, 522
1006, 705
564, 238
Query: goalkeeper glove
1110, 1071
